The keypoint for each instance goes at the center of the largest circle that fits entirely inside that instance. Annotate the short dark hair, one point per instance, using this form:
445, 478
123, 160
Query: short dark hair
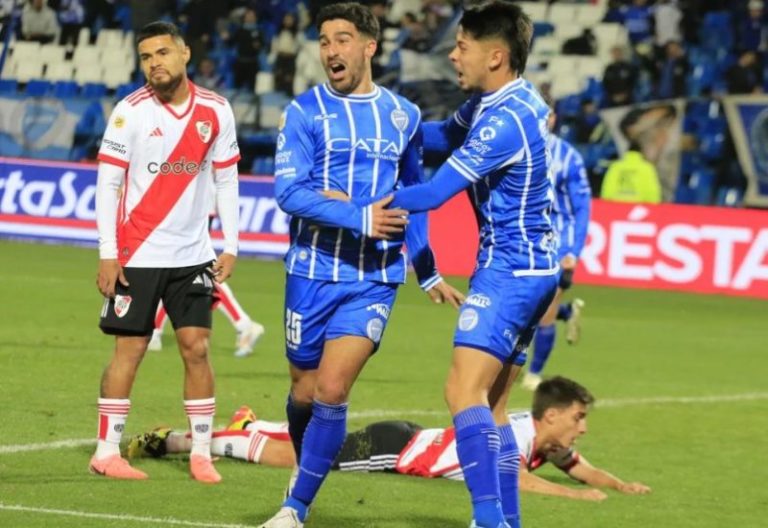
559, 393
360, 15
158, 28
500, 19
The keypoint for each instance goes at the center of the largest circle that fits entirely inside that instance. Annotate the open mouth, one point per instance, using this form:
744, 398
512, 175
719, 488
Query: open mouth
337, 70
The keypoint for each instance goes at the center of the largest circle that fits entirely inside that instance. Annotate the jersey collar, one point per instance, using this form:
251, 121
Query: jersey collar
190, 103
491, 98
353, 98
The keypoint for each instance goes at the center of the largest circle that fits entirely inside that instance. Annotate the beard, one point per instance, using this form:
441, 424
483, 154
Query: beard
166, 87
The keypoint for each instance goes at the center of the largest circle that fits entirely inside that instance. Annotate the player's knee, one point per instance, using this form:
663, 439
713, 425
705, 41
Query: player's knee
332, 392
194, 350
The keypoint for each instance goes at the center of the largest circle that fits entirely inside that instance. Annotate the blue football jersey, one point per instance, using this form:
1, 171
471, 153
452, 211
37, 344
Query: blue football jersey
362, 145
505, 163
572, 197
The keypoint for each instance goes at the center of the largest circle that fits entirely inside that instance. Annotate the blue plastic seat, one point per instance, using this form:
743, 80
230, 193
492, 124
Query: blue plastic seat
38, 88
8, 86
94, 90
64, 89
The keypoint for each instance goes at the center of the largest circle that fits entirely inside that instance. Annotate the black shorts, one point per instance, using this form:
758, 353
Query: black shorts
187, 294
376, 447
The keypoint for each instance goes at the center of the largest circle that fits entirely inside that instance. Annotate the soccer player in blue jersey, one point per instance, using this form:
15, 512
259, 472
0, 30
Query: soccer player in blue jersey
571, 220
503, 161
345, 262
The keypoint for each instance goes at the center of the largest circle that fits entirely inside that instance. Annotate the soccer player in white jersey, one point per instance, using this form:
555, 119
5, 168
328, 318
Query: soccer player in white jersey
164, 145
547, 434
344, 263
504, 161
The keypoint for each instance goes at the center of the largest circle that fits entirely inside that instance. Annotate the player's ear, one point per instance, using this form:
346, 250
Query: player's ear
187, 54
497, 58
370, 48
551, 414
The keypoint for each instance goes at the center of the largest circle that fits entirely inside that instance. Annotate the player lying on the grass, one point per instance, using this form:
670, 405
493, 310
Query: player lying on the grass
547, 434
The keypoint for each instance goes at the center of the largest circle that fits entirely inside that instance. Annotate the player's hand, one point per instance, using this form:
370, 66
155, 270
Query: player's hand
568, 262
223, 267
591, 494
110, 272
336, 195
634, 488
387, 222
444, 292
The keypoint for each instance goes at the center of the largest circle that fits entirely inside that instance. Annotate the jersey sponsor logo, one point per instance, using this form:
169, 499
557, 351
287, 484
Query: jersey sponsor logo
182, 166
280, 141
204, 130
375, 329
468, 319
114, 146
487, 133
399, 119
478, 146
380, 148
122, 305
496, 120
479, 300
325, 117
119, 121
287, 172
281, 158
380, 308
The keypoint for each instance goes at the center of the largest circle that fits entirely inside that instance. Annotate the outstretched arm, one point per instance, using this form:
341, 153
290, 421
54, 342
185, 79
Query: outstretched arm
535, 484
589, 474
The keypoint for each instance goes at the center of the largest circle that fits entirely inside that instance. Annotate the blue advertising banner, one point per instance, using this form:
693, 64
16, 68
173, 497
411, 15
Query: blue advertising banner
748, 122
55, 202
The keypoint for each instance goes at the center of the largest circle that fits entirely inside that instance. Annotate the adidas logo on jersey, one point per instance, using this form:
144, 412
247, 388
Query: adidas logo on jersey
156, 132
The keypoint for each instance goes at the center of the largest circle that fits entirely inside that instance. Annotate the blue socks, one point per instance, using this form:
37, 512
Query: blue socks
477, 444
298, 419
564, 312
509, 473
543, 343
322, 443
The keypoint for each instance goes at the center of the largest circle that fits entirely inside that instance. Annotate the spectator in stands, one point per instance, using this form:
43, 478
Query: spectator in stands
248, 42
746, 76
667, 17
631, 179
638, 19
38, 22
285, 47
71, 17
619, 79
417, 36
199, 18
671, 72
101, 14
753, 30
207, 76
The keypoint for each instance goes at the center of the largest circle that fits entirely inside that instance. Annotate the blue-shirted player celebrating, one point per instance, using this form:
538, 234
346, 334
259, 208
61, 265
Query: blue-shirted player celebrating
571, 220
352, 138
504, 162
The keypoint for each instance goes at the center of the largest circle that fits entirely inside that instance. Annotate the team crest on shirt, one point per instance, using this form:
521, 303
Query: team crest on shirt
122, 305
204, 130
374, 329
119, 122
399, 119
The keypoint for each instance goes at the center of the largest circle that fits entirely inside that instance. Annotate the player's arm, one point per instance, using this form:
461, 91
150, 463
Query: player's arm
492, 143
295, 195
443, 137
599, 478
114, 157
535, 484
416, 236
226, 154
580, 194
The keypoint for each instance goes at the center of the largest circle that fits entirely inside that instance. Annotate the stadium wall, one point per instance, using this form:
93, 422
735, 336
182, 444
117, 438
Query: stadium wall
670, 247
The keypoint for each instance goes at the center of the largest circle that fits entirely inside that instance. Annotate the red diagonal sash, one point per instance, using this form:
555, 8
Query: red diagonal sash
167, 187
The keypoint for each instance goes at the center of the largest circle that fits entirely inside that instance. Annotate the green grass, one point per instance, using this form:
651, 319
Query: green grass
705, 461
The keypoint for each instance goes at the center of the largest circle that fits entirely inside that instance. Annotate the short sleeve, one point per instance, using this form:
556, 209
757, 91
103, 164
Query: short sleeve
117, 143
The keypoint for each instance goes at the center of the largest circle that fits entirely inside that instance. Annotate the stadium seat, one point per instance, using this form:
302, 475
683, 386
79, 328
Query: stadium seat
568, 106
85, 55
8, 86
542, 28
26, 50
84, 37
716, 30
114, 77
702, 183
545, 47
590, 66
93, 90
535, 10
124, 90
589, 15
565, 32
561, 14
9, 69
88, 73
109, 38
729, 197
52, 54
59, 71
265, 82
565, 84
38, 88
28, 70
64, 89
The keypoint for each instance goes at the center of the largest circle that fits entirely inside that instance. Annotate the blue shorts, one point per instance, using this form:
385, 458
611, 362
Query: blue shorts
502, 311
317, 311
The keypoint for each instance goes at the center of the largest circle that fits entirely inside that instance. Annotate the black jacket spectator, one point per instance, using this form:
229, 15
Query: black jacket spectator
619, 79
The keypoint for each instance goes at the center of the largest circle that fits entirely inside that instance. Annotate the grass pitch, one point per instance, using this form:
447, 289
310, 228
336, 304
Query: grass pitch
680, 381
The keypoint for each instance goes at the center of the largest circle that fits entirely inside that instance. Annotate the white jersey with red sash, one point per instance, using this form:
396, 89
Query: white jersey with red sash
169, 154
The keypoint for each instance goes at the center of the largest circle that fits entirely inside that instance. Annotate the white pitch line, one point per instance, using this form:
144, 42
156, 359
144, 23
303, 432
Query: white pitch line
121, 518
390, 413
